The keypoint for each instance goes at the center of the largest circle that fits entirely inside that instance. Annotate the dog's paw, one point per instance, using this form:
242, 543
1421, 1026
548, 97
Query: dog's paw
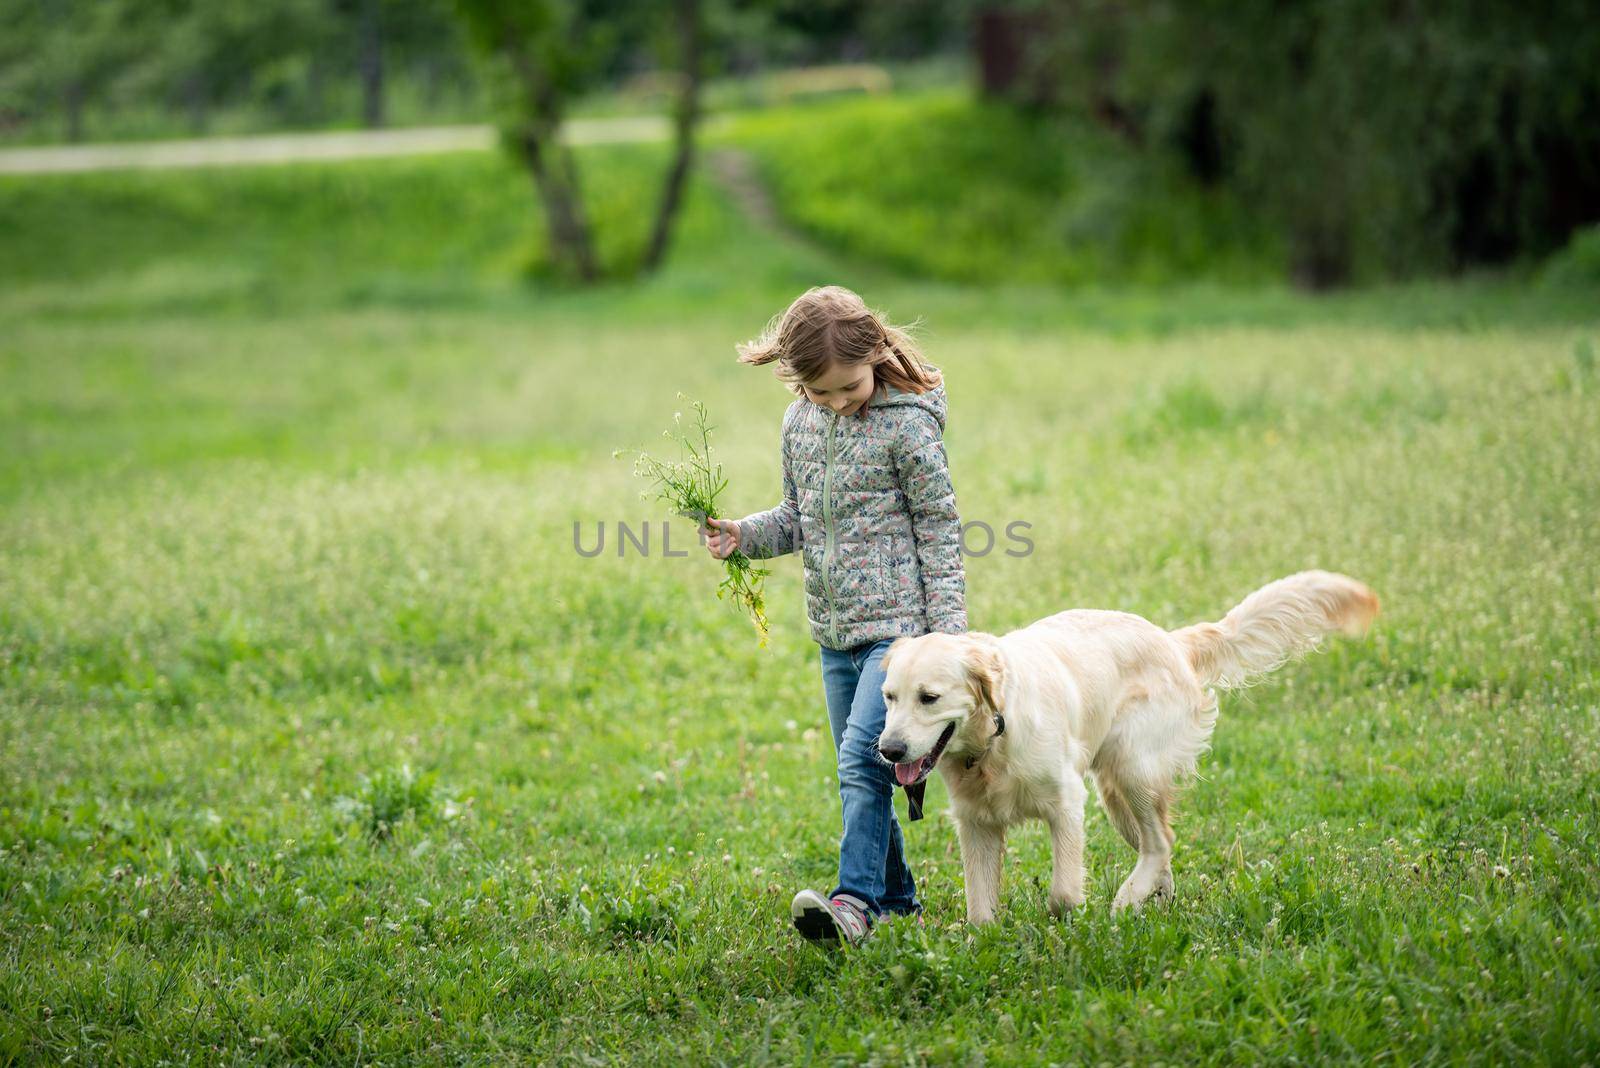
1062, 908
1139, 890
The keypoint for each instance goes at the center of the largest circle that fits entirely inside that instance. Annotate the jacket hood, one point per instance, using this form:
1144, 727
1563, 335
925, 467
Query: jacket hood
933, 401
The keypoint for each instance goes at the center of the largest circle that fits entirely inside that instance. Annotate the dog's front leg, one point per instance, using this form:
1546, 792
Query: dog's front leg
1066, 846
983, 847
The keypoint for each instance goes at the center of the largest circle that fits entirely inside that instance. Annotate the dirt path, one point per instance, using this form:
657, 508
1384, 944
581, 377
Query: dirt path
293, 148
735, 172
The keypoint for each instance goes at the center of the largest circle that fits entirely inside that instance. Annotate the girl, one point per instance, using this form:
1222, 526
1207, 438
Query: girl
867, 501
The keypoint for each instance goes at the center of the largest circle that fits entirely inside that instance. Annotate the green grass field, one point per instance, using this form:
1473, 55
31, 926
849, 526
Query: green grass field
320, 742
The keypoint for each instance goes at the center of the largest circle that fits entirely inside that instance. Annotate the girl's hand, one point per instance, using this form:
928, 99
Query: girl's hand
722, 537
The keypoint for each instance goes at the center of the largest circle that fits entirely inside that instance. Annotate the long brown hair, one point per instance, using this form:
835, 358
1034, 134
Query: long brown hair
831, 324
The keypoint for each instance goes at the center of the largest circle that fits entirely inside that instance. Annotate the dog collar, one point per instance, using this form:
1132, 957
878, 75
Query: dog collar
914, 794
999, 729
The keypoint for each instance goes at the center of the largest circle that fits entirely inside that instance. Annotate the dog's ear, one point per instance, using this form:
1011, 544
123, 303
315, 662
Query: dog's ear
883, 661
985, 670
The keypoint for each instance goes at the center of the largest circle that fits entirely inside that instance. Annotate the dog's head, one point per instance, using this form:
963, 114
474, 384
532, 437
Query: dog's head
941, 692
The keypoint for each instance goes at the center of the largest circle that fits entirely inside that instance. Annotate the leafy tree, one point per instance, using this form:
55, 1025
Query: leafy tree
375, 37
551, 51
63, 53
192, 56
686, 114
201, 53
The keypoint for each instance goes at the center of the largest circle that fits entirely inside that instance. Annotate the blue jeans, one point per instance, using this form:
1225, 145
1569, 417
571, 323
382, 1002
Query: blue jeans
872, 863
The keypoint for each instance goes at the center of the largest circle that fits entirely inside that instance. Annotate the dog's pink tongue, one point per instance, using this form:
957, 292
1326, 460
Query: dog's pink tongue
906, 774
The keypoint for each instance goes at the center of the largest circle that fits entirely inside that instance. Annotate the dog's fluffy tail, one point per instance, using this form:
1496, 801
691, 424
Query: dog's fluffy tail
1279, 621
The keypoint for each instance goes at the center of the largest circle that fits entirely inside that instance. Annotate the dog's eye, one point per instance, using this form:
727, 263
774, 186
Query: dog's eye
889, 697
929, 698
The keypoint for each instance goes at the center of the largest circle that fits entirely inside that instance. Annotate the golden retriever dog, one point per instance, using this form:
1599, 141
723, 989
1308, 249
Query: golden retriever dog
1015, 722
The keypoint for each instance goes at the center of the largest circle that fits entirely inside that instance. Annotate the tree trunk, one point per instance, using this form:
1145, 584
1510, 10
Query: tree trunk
686, 116
432, 84
371, 63
197, 102
314, 90
72, 101
557, 181
554, 172
1319, 256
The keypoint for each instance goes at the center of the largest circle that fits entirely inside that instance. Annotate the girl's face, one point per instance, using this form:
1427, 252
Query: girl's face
842, 388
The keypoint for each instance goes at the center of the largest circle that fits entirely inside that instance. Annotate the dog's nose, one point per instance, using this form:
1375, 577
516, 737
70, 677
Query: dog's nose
893, 751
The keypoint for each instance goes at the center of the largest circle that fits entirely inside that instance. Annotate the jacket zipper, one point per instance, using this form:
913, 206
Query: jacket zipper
827, 529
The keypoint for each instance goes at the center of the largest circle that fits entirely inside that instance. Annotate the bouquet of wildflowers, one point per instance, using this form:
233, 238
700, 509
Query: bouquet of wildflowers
691, 484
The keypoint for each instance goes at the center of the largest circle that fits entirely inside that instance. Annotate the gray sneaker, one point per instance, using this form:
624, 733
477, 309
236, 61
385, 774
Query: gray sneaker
842, 919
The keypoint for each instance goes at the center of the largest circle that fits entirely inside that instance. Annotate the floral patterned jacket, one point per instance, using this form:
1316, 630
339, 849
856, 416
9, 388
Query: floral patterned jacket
868, 503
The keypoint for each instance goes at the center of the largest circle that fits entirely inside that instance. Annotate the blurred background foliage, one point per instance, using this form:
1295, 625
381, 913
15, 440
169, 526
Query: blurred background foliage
114, 69
1382, 136
1066, 142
